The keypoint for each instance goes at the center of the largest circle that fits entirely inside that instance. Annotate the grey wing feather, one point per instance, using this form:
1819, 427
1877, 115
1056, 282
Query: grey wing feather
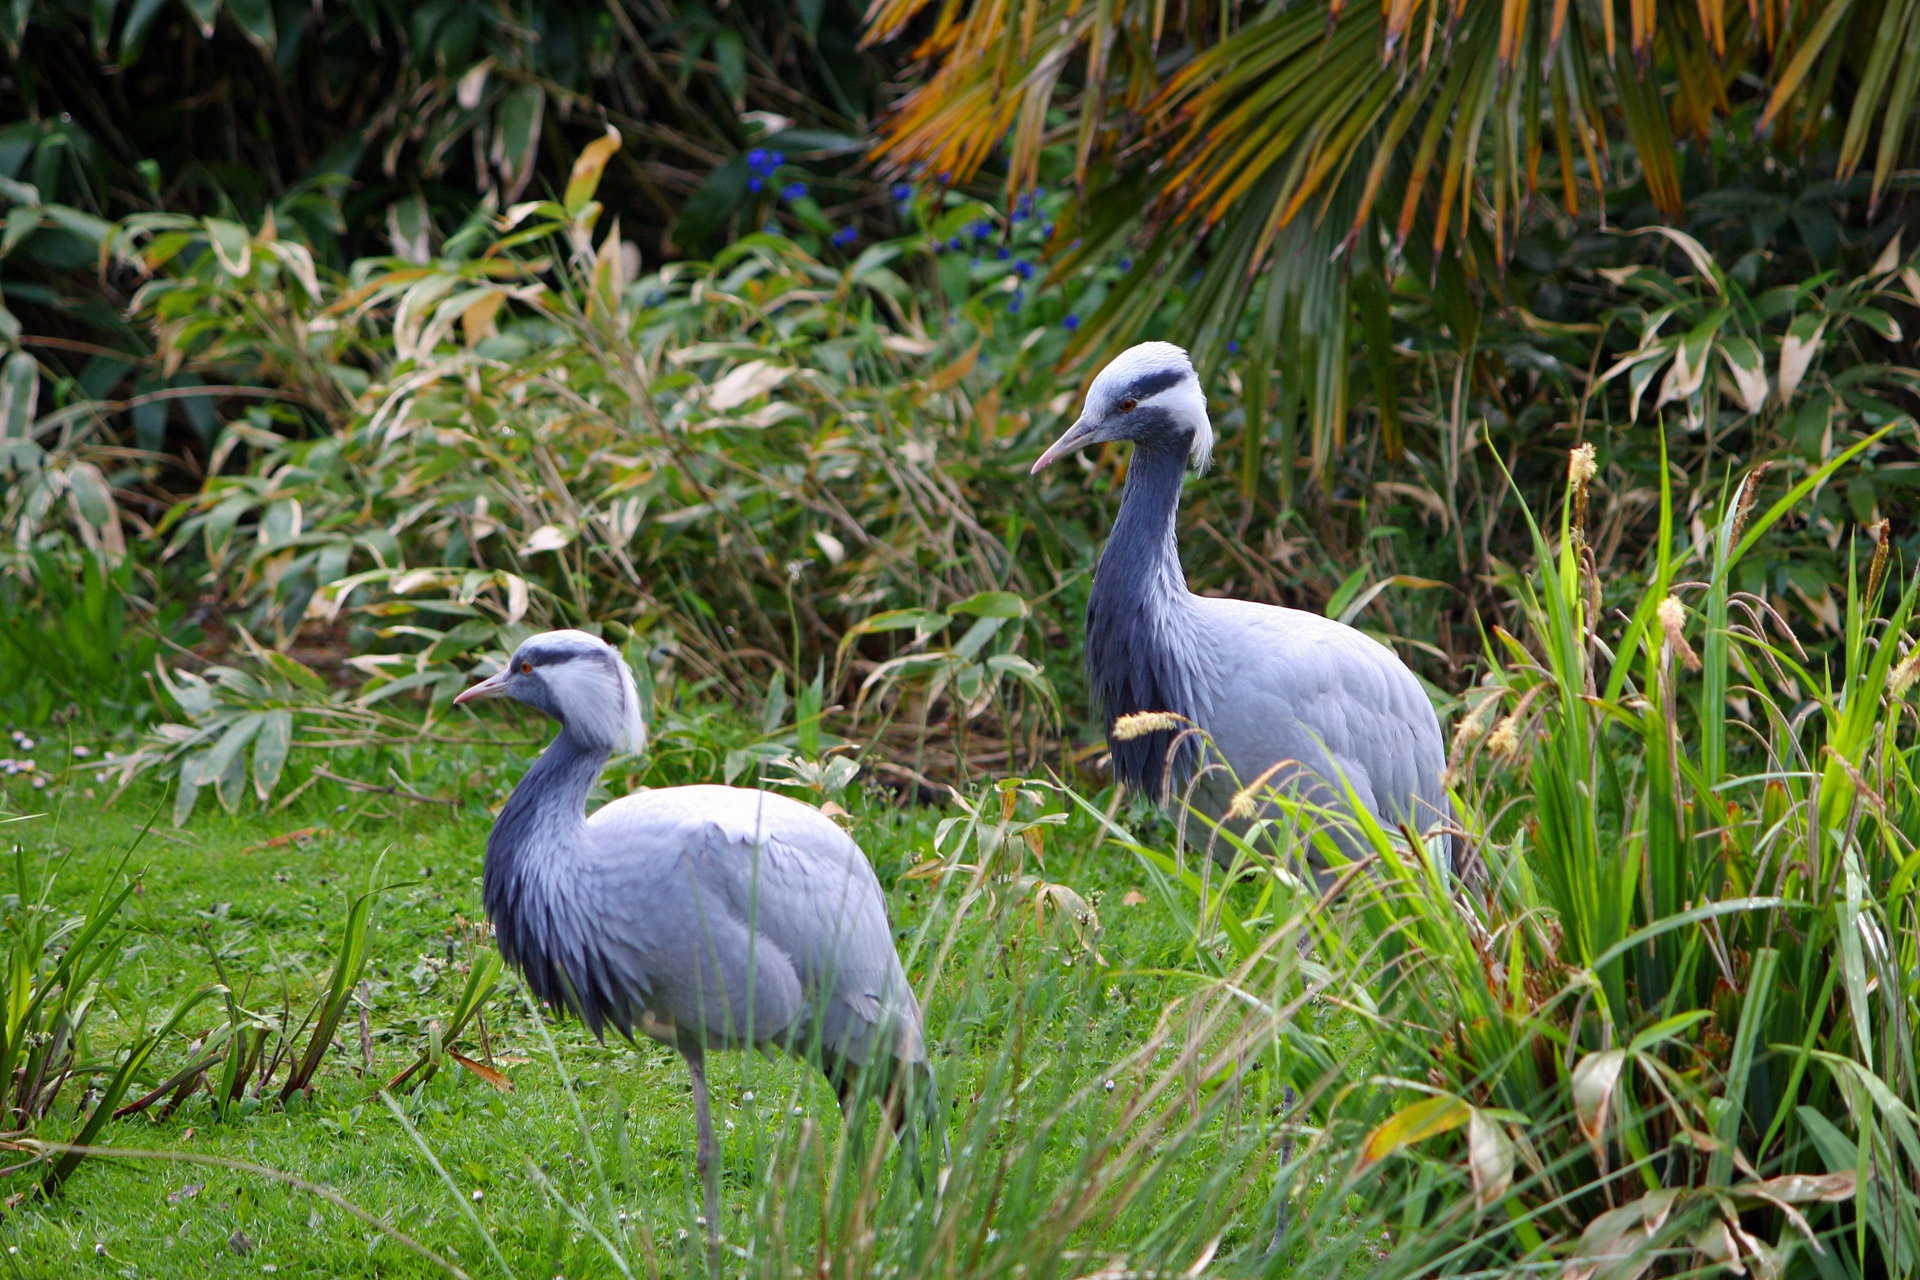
1349, 708
766, 900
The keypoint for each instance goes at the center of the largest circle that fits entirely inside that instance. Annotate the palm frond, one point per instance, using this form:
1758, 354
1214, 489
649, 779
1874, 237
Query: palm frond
1238, 137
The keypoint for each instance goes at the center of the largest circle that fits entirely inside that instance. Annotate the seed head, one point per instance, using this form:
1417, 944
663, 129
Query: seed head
1673, 620
1901, 678
1581, 466
1504, 741
1142, 723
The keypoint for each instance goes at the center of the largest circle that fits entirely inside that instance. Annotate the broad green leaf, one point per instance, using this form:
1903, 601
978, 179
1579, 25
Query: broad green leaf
992, 604
1877, 320
19, 395
204, 12
232, 246
923, 623
270, 747
1747, 370
516, 137
296, 672
22, 221
212, 764
255, 17
186, 792
976, 636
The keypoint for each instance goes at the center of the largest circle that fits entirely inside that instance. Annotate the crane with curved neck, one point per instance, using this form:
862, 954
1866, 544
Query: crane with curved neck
702, 916
1319, 710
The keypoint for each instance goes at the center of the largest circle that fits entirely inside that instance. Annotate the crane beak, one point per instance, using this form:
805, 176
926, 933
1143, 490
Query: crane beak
493, 686
1078, 436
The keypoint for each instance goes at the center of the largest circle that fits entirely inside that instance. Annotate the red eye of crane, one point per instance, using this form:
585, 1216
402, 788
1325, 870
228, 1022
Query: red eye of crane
526, 667
1128, 405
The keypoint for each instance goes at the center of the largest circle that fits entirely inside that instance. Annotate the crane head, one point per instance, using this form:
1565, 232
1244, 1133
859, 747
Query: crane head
1147, 394
577, 679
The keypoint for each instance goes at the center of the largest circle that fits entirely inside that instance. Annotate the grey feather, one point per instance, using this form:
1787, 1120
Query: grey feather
1335, 709
735, 918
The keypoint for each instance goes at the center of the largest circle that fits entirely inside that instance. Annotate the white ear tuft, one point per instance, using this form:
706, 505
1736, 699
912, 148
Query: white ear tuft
1202, 451
635, 727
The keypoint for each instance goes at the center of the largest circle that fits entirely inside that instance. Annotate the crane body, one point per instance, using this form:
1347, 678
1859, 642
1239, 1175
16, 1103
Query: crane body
1321, 705
705, 917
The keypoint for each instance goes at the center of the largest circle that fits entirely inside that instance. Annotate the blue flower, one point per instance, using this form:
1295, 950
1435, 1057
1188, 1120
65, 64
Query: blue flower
1233, 347
1039, 193
1004, 253
975, 263
655, 298
1126, 264
846, 236
1013, 304
757, 158
1072, 322
794, 191
901, 191
754, 184
1047, 231
778, 158
956, 244
772, 228
1019, 215
1076, 243
1025, 269
982, 229
946, 176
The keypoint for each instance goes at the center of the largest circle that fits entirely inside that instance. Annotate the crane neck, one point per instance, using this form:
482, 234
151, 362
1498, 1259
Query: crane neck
545, 818
1142, 558
1143, 652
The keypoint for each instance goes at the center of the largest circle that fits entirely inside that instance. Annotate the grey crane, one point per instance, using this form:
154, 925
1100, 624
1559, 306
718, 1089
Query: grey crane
701, 916
1270, 686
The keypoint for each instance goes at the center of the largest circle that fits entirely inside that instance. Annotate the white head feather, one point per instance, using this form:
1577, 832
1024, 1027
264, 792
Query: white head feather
600, 705
1179, 390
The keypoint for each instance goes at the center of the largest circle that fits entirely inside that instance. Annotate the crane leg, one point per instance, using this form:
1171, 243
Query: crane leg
706, 1158
1286, 1198
1303, 946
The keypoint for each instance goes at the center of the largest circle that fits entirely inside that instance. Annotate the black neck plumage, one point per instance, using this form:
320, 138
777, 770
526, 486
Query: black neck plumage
1140, 647
533, 859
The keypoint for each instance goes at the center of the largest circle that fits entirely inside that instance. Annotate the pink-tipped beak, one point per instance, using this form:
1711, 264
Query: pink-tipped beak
492, 687
1077, 436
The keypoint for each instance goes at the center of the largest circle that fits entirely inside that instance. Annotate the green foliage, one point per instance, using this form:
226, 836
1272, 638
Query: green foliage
67, 640
53, 966
1299, 158
378, 123
1669, 1019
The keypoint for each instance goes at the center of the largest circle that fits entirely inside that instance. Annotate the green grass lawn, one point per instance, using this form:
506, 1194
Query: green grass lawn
1029, 1029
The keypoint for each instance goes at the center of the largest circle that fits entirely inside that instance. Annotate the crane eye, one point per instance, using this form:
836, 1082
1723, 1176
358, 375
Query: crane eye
1129, 405
526, 668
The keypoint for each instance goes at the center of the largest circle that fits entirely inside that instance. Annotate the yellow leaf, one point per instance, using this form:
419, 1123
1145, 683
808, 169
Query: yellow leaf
585, 178
485, 1072
952, 374
1424, 1119
477, 320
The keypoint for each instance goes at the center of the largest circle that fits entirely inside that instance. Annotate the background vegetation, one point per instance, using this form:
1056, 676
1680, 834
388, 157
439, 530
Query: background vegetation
1565, 348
